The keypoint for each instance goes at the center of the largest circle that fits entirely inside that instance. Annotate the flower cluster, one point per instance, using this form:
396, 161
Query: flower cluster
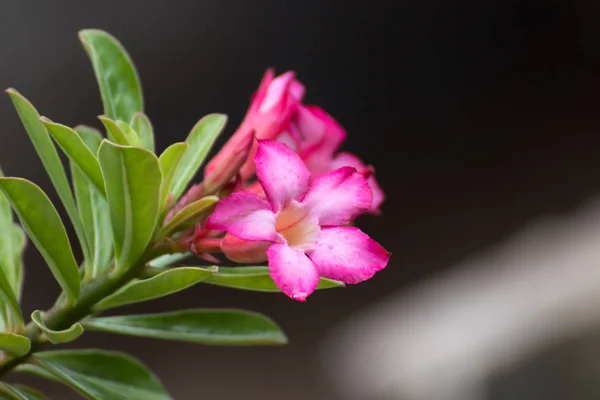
280, 191
289, 194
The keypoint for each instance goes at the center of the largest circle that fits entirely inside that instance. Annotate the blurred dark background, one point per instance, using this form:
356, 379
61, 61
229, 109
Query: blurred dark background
478, 116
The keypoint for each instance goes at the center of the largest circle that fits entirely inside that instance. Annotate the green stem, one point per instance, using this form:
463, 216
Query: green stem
62, 316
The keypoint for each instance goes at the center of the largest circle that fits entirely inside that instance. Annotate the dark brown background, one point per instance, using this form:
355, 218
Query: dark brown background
478, 116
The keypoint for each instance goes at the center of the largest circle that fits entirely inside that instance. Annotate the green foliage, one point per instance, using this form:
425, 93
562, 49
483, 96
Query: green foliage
13, 344
256, 279
132, 177
115, 134
56, 337
189, 215
19, 392
117, 78
213, 327
118, 200
142, 125
93, 211
169, 161
99, 374
79, 153
45, 229
163, 284
12, 242
200, 139
47, 152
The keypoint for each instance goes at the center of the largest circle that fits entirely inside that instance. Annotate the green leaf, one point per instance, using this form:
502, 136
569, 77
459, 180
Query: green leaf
47, 152
57, 337
200, 139
9, 310
133, 178
256, 279
93, 210
12, 244
14, 344
98, 374
47, 232
213, 327
130, 133
142, 125
75, 148
19, 392
163, 284
169, 161
168, 259
188, 216
117, 78
115, 133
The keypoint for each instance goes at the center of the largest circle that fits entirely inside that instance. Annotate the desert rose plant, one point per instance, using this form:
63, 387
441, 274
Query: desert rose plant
279, 191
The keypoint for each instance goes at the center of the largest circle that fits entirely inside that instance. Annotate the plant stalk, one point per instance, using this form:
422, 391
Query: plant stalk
64, 315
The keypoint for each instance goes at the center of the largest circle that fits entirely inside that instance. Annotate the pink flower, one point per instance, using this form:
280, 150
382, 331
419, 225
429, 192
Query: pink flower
317, 137
271, 109
300, 226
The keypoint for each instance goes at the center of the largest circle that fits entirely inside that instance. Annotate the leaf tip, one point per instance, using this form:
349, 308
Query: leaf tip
85, 33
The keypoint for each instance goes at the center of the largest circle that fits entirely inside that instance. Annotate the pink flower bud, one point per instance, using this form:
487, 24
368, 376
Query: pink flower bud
269, 114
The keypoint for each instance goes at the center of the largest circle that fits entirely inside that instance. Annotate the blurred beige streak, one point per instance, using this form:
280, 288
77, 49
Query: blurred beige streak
442, 340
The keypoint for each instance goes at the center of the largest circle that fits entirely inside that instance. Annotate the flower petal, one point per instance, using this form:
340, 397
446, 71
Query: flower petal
276, 92
378, 195
292, 271
350, 160
244, 251
260, 93
320, 132
297, 90
338, 197
347, 254
245, 215
281, 173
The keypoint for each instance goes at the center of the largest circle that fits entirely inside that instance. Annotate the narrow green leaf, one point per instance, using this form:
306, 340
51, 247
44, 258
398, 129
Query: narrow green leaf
47, 152
33, 394
91, 136
47, 232
200, 139
117, 77
163, 284
93, 210
99, 374
14, 344
188, 216
168, 260
169, 161
213, 327
75, 148
19, 244
130, 133
114, 133
19, 392
133, 178
9, 310
255, 279
12, 244
57, 337
142, 125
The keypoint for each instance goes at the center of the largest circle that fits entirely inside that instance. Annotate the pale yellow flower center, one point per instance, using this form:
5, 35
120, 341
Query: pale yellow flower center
295, 225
